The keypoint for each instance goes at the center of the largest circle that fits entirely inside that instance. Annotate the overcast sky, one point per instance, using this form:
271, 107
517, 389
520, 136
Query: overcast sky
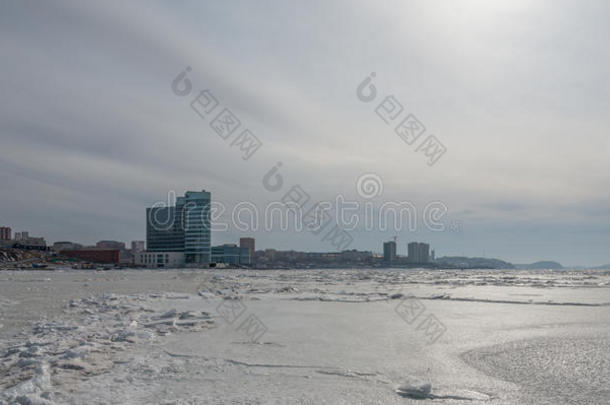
517, 91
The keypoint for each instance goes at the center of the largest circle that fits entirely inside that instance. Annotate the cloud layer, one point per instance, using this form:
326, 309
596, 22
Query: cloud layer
91, 133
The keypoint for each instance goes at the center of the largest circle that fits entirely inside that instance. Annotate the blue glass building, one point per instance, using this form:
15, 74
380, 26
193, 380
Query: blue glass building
194, 209
164, 232
231, 254
184, 227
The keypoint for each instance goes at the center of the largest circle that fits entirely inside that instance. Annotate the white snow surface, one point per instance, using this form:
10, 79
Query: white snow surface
351, 336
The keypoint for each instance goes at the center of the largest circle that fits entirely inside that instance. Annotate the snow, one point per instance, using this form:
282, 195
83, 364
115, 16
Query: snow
305, 337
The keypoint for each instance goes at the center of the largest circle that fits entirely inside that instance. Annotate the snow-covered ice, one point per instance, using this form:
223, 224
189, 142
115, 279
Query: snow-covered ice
305, 337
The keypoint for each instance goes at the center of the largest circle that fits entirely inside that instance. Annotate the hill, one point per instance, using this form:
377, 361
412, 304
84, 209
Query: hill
542, 265
472, 263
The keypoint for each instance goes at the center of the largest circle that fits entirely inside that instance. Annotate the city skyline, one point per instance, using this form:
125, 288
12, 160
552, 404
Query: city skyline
390, 252
407, 249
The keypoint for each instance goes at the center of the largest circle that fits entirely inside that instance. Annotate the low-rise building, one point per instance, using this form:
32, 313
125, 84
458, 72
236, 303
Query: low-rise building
231, 254
159, 259
110, 244
104, 256
65, 245
30, 243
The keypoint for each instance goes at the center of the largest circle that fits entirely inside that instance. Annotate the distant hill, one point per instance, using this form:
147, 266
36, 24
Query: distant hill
472, 263
540, 266
604, 267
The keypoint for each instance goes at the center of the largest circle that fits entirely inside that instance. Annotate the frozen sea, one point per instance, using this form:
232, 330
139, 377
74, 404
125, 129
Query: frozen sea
343, 336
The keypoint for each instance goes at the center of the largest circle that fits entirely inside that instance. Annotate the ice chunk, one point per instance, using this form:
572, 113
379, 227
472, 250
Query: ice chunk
417, 391
172, 313
33, 400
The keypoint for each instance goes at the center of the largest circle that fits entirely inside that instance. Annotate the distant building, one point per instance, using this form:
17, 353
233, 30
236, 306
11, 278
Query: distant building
160, 259
270, 254
248, 243
184, 228
30, 243
164, 231
231, 254
355, 256
6, 244
22, 235
389, 251
412, 252
110, 244
137, 246
5, 233
104, 256
65, 245
432, 255
424, 253
419, 253
126, 257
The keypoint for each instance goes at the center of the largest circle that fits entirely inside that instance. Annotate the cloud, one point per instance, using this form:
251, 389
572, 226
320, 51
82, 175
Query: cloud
516, 91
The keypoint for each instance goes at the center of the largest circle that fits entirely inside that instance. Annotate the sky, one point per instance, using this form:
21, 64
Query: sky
92, 132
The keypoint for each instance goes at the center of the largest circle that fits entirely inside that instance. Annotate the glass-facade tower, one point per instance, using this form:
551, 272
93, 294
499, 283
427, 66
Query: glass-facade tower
195, 214
163, 230
184, 227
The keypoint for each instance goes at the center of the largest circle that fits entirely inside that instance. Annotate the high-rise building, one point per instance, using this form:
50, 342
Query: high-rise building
184, 227
195, 213
424, 253
419, 253
248, 243
413, 252
5, 233
389, 251
22, 235
164, 231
